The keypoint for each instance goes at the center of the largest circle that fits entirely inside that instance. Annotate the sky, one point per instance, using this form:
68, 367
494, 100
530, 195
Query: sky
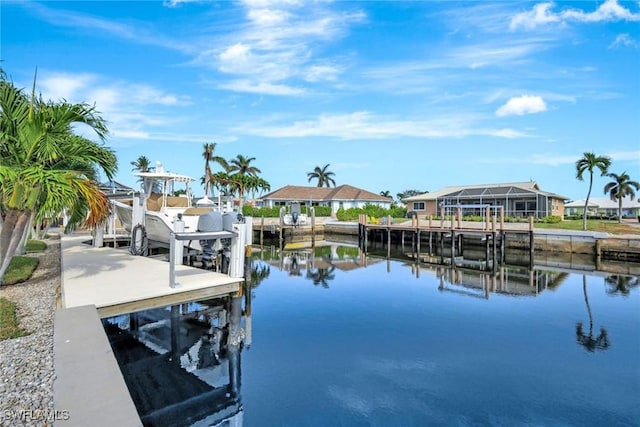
392, 95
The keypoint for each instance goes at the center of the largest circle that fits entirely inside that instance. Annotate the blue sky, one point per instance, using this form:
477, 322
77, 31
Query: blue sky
393, 95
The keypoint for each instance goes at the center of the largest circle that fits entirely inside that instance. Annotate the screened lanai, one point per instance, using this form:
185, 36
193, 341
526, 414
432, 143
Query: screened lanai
518, 200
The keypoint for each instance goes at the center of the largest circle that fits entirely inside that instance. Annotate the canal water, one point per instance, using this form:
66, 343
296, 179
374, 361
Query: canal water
328, 337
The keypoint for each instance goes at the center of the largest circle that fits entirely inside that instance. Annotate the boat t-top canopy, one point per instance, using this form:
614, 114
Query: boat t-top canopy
165, 176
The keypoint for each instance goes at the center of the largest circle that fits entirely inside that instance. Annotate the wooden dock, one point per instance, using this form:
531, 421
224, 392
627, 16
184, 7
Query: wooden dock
447, 236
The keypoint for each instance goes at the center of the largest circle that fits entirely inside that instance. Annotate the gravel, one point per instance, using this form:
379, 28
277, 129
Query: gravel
26, 363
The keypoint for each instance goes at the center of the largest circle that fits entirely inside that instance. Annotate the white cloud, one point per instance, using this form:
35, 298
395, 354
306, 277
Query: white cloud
520, 105
316, 73
264, 88
276, 43
176, 3
624, 40
138, 33
132, 110
541, 14
364, 125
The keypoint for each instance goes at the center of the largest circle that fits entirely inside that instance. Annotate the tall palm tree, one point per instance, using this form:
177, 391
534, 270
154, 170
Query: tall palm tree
590, 162
619, 188
386, 193
45, 168
323, 175
207, 153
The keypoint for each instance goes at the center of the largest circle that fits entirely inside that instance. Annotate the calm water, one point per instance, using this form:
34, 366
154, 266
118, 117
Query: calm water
330, 341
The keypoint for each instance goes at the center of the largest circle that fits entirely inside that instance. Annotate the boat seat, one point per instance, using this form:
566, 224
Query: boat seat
177, 202
196, 211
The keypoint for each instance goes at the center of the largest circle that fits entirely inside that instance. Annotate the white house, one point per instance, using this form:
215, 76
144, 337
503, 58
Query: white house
342, 196
604, 206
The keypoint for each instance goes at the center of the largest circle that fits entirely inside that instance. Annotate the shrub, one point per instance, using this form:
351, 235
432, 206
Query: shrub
274, 212
551, 219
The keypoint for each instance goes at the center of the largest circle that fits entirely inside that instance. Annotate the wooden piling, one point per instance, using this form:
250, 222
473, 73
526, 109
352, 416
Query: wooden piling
261, 231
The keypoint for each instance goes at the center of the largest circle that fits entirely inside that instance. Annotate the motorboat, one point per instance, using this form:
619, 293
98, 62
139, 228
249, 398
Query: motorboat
154, 211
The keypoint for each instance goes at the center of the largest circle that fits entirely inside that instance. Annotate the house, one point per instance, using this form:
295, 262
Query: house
519, 199
342, 196
604, 206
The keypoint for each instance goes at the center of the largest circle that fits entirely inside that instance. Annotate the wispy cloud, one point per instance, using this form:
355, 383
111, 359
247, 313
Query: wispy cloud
520, 105
276, 45
624, 40
365, 125
139, 32
542, 14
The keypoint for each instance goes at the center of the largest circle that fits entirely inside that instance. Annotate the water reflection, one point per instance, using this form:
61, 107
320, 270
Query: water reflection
620, 285
317, 263
587, 340
182, 363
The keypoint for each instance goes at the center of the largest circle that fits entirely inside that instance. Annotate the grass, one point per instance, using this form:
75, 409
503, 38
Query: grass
9, 321
592, 225
36, 246
20, 269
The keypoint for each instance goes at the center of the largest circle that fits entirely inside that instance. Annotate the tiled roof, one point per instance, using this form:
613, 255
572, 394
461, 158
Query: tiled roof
341, 192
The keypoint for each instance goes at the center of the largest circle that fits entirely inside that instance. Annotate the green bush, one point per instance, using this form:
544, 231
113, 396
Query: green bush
275, 211
374, 211
551, 219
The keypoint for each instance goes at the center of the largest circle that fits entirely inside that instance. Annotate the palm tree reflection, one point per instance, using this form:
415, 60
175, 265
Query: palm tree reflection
587, 340
620, 284
322, 276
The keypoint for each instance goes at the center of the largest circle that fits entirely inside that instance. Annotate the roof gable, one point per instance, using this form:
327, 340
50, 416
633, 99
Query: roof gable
341, 192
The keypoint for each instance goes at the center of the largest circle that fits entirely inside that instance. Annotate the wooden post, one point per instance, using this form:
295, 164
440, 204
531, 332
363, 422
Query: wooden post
402, 238
430, 246
531, 243
493, 238
430, 220
453, 245
501, 218
487, 218
261, 231
459, 217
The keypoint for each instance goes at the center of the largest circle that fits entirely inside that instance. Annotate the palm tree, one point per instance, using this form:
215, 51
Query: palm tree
208, 150
324, 177
619, 188
46, 169
239, 168
386, 193
142, 164
590, 162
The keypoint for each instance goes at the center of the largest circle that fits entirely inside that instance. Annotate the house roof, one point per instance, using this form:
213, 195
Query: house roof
605, 203
485, 190
341, 192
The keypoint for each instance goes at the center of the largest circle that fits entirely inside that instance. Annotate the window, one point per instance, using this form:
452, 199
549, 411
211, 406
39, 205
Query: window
418, 206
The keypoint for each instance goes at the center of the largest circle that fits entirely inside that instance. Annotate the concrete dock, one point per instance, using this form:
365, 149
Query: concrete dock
102, 282
117, 282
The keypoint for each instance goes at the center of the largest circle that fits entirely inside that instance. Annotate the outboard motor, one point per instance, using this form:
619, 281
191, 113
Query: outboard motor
295, 212
209, 222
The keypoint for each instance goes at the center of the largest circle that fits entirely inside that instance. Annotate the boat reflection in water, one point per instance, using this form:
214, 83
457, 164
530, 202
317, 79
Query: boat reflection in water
182, 363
